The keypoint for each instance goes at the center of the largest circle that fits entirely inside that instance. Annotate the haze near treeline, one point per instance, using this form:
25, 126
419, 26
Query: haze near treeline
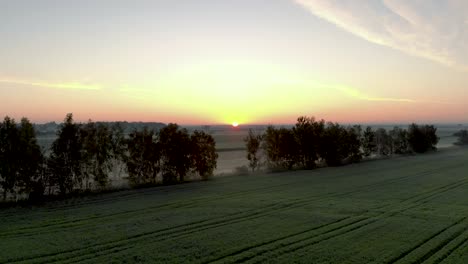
219, 62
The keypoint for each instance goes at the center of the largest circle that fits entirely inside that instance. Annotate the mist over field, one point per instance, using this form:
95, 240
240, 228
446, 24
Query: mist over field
230, 143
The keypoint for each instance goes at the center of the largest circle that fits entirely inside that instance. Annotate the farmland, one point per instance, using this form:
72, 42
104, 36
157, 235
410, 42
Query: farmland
400, 210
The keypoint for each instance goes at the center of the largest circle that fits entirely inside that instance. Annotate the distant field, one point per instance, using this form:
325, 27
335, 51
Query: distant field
403, 210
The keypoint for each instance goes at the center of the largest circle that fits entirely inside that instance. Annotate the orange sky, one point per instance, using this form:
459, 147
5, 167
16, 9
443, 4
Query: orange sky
219, 62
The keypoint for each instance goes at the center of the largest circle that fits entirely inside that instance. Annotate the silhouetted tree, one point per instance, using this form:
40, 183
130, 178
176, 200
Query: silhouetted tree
352, 143
334, 149
97, 152
253, 143
175, 150
41, 180
399, 139
9, 155
368, 142
289, 151
203, 154
422, 138
30, 159
65, 158
280, 147
271, 145
143, 161
308, 134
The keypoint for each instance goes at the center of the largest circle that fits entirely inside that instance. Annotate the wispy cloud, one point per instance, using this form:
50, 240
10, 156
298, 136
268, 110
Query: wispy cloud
361, 96
70, 85
431, 29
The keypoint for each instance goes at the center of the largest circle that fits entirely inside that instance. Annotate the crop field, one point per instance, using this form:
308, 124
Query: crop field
402, 210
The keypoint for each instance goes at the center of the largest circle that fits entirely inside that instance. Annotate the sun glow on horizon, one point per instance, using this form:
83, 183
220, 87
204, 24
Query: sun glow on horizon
222, 64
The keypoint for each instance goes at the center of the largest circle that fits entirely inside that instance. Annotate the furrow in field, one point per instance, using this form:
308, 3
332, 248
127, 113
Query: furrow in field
168, 232
193, 228
77, 222
278, 239
444, 245
53, 226
418, 202
185, 229
174, 234
215, 225
428, 195
283, 247
399, 179
435, 191
424, 242
451, 247
317, 238
239, 255
314, 228
32, 230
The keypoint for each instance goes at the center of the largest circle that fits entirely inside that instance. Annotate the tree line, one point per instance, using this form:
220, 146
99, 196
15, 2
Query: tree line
83, 156
311, 143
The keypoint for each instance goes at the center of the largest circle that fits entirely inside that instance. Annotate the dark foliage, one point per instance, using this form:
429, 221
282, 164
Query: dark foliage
422, 138
203, 154
9, 155
31, 160
308, 134
97, 144
281, 148
353, 143
399, 141
369, 145
253, 143
310, 143
86, 154
175, 153
340, 144
144, 154
65, 162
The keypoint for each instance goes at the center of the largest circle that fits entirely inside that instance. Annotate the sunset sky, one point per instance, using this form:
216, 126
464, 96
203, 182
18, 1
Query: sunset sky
224, 61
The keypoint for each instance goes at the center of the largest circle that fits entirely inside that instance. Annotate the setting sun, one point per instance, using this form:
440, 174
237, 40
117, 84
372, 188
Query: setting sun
235, 124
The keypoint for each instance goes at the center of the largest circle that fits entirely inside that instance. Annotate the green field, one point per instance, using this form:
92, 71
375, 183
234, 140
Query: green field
401, 210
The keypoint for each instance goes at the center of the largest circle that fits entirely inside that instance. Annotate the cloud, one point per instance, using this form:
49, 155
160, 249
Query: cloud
431, 29
71, 85
357, 94
361, 96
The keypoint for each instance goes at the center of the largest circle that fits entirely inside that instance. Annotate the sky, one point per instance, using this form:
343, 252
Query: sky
225, 61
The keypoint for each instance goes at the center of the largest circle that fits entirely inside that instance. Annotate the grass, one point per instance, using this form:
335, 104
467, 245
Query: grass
403, 210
